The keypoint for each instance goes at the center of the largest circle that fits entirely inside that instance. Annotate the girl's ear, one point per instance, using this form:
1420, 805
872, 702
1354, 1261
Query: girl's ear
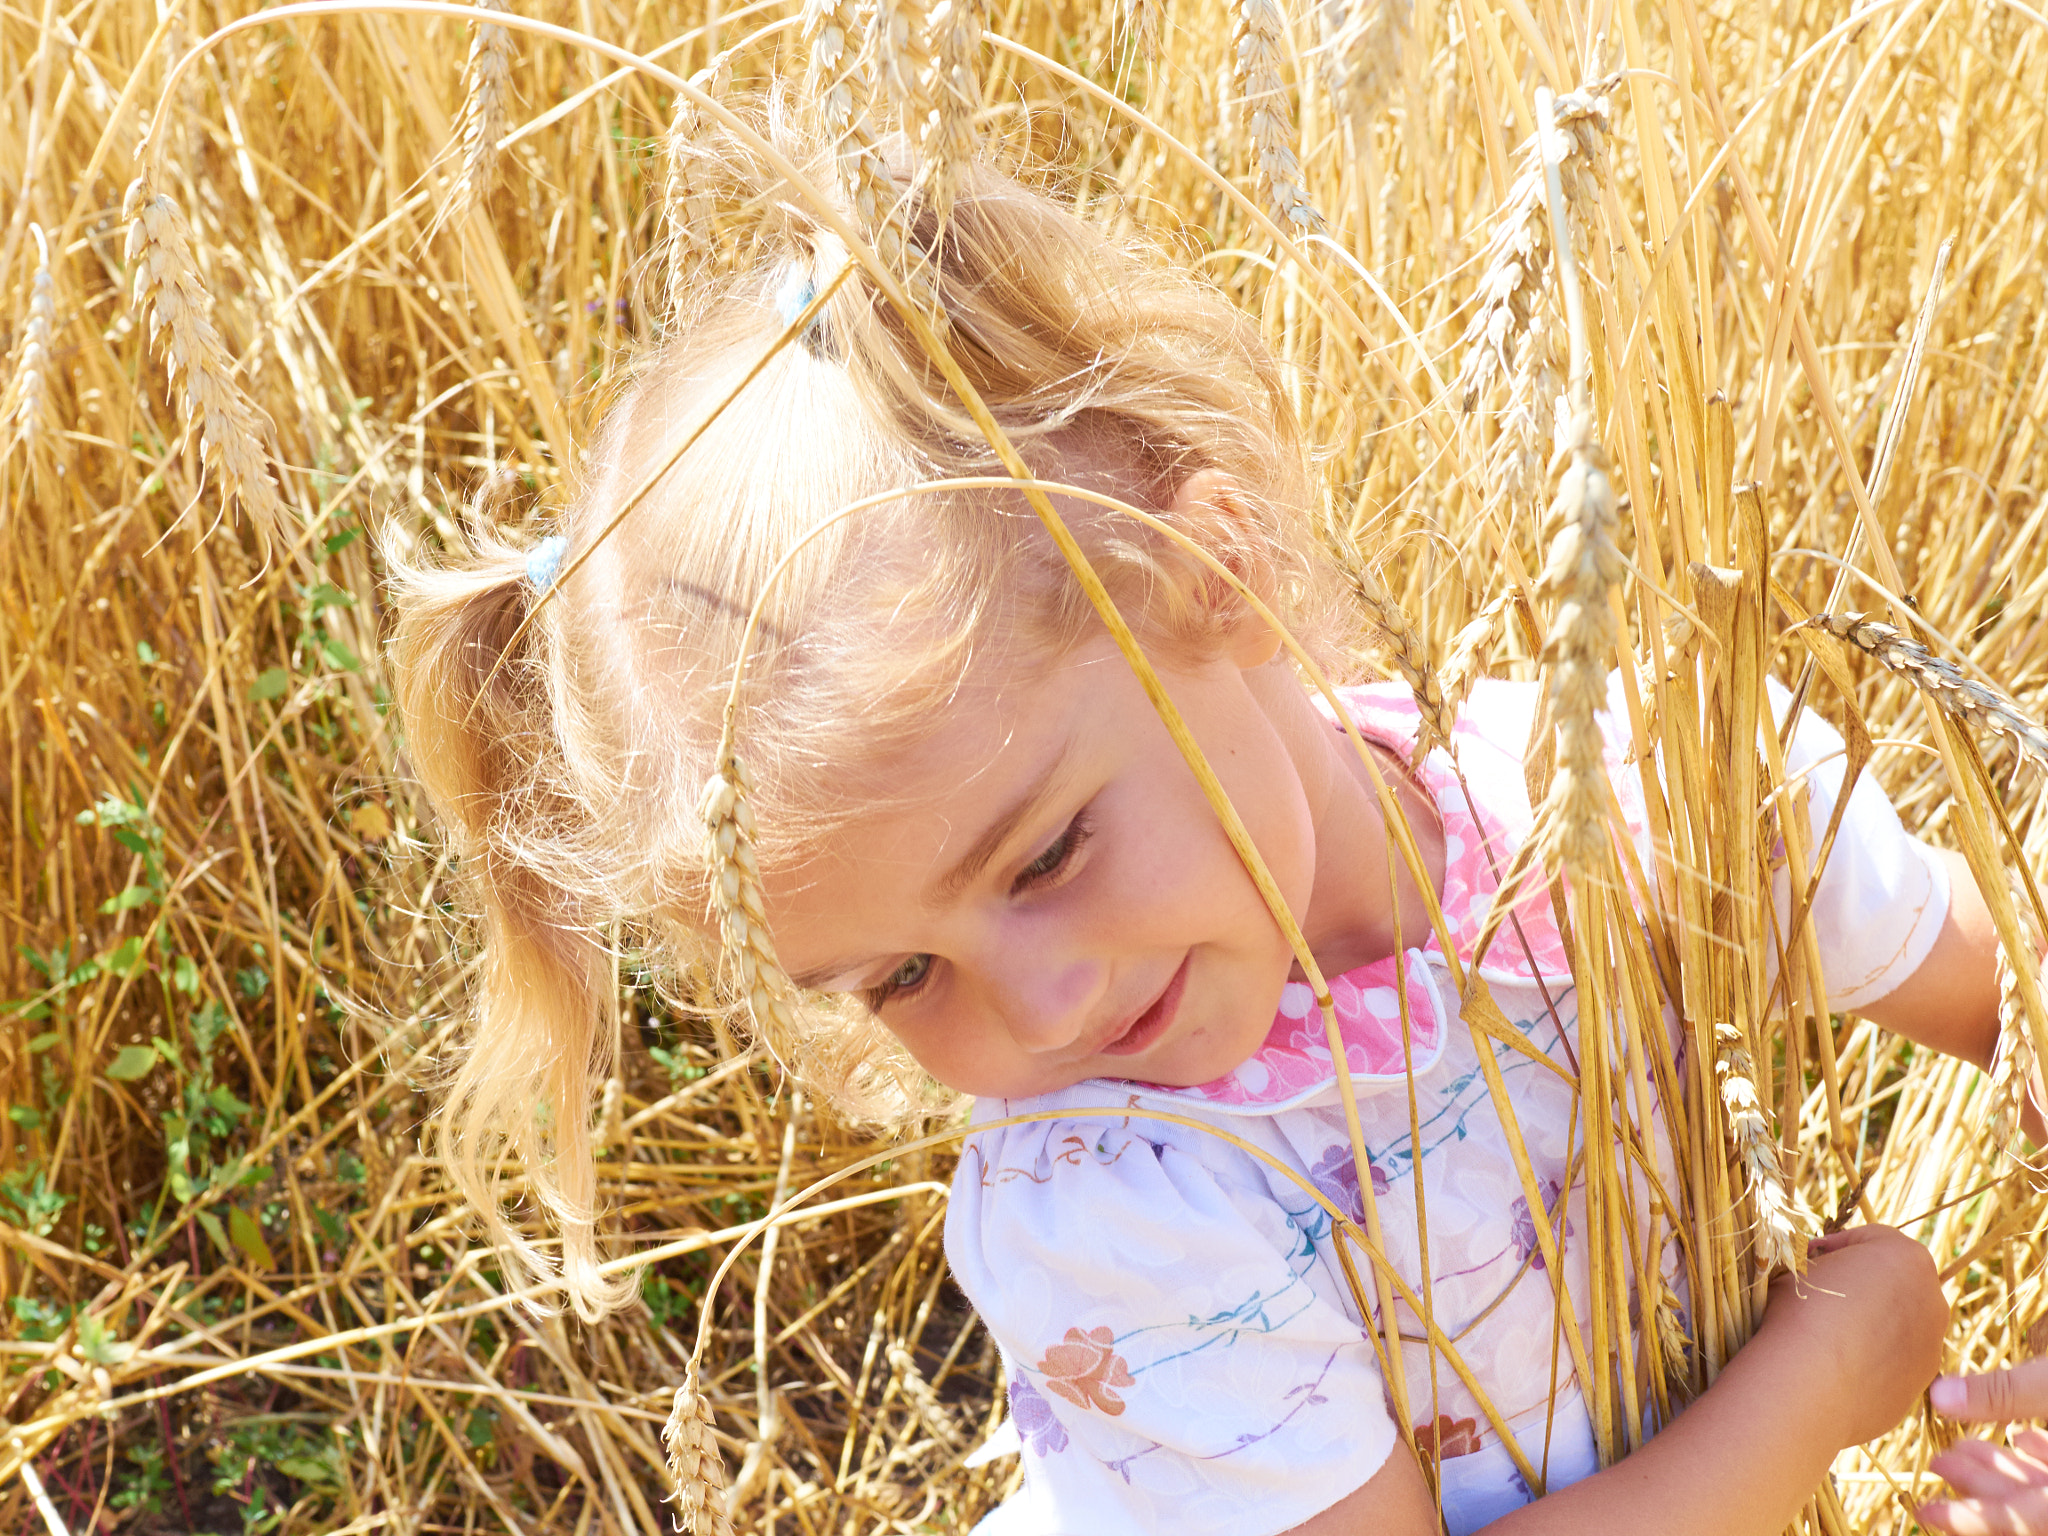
1208, 502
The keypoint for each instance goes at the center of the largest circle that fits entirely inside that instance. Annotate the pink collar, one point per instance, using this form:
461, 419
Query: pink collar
1481, 834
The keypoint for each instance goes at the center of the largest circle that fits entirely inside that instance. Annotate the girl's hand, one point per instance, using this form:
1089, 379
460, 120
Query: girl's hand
2004, 1492
1995, 1396
1870, 1313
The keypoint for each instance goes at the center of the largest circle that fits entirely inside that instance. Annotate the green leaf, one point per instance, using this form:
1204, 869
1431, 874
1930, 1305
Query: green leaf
25, 1115
43, 1042
97, 1343
324, 596
342, 540
127, 959
185, 975
249, 1238
481, 1428
131, 1062
272, 683
340, 655
214, 1230
128, 900
306, 1469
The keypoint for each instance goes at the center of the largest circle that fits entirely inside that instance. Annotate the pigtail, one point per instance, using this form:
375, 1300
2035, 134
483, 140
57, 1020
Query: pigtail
474, 690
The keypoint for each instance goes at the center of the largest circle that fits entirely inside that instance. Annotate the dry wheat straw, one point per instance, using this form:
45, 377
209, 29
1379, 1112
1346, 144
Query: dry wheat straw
1409, 655
696, 1469
486, 106
1960, 698
1780, 1226
2013, 1068
737, 902
948, 142
1258, 50
930, 1411
689, 200
230, 428
31, 386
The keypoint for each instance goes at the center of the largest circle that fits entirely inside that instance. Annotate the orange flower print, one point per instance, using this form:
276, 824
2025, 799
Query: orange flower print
1448, 1437
1085, 1368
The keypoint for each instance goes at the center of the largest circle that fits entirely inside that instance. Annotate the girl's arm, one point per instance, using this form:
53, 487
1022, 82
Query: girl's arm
1841, 1356
1951, 1001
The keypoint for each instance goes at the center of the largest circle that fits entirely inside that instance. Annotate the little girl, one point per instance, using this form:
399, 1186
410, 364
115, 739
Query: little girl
976, 834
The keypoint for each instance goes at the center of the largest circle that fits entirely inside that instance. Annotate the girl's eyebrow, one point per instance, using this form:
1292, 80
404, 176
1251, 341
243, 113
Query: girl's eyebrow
999, 831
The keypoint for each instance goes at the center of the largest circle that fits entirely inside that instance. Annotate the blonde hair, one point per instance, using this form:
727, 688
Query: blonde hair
565, 743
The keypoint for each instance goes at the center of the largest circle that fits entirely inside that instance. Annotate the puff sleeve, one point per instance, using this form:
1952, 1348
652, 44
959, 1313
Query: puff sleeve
1177, 1358
1883, 895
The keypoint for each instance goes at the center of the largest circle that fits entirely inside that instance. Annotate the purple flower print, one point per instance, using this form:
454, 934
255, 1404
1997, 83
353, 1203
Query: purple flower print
1336, 1175
1041, 1432
1525, 1224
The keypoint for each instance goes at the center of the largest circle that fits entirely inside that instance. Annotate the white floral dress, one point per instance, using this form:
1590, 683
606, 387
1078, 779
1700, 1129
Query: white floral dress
1183, 1351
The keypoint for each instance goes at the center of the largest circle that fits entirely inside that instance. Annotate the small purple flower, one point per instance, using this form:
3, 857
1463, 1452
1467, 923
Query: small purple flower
1037, 1425
1525, 1224
1336, 1175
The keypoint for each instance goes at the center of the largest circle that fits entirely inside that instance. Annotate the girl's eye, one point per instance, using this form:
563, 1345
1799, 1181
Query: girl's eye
1055, 857
907, 977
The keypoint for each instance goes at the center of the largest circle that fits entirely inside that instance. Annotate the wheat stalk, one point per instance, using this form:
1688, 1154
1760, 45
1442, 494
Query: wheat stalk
1781, 1227
1959, 697
1258, 47
696, 1469
31, 385
167, 285
487, 92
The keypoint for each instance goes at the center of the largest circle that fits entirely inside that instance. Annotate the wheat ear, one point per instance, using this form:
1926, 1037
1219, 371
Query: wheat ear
1140, 24
2015, 1064
737, 902
694, 1463
838, 82
1583, 566
1471, 650
1781, 1228
1258, 46
167, 285
1518, 257
31, 387
930, 1411
955, 91
689, 203
1405, 649
487, 93
1960, 698
900, 37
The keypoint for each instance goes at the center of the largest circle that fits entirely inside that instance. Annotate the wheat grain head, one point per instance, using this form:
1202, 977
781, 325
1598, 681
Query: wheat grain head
696, 1469
1258, 47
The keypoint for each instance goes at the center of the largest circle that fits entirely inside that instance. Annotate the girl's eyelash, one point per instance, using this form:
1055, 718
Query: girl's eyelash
893, 986
1057, 854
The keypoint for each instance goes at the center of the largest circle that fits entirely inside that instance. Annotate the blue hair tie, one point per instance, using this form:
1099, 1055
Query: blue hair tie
544, 561
795, 295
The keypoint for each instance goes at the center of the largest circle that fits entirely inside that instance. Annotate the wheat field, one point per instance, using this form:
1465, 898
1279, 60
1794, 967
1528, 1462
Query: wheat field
275, 286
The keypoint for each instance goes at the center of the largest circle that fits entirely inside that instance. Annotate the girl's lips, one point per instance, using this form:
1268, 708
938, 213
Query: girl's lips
1146, 1029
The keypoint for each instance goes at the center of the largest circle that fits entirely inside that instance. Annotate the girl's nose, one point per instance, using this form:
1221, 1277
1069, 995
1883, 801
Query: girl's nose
1046, 1000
